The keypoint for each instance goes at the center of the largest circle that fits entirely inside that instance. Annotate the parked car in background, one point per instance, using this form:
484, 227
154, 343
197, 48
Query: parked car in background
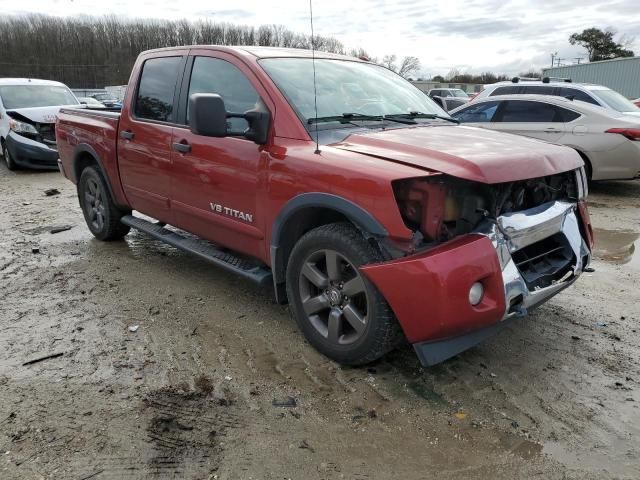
107, 100
636, 102
449, 103
91, 102
28, 112
607, 140
391, 219
448, 92
594, 94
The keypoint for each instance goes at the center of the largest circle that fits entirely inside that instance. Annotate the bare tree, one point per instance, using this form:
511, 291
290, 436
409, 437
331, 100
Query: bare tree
408, 66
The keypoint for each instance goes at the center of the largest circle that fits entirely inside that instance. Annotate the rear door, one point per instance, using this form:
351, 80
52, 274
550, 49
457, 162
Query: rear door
530, 118
146, 128
217, 181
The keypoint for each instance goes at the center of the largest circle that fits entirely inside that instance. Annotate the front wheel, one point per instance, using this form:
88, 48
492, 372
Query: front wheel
8, 159
100, 212
339, 311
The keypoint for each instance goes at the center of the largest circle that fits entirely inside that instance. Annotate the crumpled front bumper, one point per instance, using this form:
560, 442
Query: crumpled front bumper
31, 154
429, 291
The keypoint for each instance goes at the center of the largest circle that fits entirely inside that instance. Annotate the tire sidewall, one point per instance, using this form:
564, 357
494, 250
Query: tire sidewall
8, 160
90, 173
361, 348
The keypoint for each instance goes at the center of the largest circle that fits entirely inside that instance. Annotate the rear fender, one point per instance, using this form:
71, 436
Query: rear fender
85, 154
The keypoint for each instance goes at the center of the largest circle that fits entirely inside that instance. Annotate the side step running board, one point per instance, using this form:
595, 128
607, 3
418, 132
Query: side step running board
203, 249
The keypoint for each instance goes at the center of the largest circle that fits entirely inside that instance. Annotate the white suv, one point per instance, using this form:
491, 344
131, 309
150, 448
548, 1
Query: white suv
594, 94
28, 111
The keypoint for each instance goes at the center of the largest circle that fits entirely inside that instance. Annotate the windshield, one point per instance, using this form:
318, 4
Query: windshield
345, 87
615, 100
459, 93
29, 96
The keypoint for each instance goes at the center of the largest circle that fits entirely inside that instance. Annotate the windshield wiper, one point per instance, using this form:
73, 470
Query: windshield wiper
432, 116
350, 117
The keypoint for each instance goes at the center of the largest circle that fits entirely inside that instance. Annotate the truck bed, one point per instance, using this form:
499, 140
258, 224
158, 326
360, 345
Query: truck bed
93, 131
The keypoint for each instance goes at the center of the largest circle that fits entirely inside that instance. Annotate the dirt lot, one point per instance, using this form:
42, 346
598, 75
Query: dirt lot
197, 391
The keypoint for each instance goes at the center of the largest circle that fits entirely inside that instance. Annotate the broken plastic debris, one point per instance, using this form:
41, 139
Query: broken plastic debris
228, 378
133, 328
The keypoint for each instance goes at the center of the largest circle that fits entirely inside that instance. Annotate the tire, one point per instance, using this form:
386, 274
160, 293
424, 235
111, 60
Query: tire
8, 160
100, 212
339, 311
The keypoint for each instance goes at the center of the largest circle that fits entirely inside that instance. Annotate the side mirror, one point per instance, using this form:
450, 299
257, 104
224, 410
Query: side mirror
208, 117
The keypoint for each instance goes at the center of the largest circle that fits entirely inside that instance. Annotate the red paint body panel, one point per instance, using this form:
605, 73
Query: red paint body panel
587, 232
89, 127
429, 292
466, 152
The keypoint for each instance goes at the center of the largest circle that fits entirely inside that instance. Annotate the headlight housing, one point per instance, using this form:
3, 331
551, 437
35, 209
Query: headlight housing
439, 208
22, 127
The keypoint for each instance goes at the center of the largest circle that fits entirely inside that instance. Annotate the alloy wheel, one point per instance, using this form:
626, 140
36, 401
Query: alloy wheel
334, 297
95, 204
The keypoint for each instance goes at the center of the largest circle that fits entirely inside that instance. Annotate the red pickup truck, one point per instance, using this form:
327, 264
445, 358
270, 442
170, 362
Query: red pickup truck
372, 212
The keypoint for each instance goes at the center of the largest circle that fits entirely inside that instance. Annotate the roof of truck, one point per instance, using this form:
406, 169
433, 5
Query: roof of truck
28, 81
265, 52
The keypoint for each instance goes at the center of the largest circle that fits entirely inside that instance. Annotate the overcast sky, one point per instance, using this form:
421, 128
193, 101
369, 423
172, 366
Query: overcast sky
471, 35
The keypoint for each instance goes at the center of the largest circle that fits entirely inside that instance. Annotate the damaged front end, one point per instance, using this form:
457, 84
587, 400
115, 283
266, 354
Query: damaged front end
483, 254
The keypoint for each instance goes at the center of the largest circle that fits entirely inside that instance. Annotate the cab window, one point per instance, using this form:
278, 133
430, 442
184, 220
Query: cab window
213, 75
154, 100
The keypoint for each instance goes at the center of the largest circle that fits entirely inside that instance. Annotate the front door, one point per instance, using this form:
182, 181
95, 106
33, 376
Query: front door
144, 143
216, 185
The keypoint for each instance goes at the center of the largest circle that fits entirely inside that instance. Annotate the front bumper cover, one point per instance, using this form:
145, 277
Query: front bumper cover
429, 291
31, 154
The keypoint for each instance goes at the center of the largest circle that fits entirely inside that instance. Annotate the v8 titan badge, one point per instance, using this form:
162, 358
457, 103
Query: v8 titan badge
230, 212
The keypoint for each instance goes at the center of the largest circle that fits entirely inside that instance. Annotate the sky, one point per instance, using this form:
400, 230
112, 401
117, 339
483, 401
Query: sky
501, 36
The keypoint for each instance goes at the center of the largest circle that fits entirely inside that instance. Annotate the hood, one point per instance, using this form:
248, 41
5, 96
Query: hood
465, 152
633, 114
40, 114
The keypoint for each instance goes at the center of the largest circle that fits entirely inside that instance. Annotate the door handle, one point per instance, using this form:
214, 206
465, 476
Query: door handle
127, 135
552, 130
182, 147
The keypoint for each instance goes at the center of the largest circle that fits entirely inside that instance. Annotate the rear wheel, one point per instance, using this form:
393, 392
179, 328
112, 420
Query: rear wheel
339, 311
100, 212
8, 159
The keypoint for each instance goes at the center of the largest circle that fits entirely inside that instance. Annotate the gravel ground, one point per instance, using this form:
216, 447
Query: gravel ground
217, 382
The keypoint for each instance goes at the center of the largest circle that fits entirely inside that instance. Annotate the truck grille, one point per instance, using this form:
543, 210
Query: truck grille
545, 262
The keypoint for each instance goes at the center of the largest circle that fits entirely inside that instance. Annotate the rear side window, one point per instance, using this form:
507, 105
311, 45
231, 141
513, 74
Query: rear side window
577, 95
511, 90
477, 113
157, 88
568, 115
212, 75
530, 112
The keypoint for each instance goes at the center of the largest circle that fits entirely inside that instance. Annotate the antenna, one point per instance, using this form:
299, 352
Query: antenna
315, 90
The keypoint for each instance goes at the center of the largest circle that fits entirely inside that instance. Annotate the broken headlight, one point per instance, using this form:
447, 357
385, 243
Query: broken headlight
22, 128
439, 208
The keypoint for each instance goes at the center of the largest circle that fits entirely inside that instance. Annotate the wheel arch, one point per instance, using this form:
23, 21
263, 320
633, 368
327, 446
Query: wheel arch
587, 162
84, 156
305, 212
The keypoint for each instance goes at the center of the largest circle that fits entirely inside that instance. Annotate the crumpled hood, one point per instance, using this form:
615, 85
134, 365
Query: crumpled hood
40, 114
465, 152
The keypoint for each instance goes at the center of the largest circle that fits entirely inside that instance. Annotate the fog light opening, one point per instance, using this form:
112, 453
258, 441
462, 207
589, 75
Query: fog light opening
476, 292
